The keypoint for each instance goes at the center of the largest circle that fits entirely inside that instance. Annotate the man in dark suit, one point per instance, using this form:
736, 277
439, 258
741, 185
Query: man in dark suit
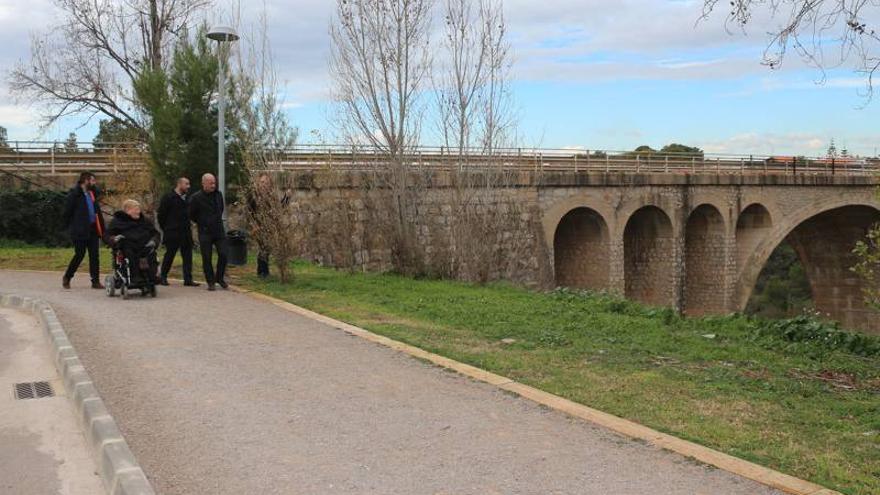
173, 217
206, 210
82, 215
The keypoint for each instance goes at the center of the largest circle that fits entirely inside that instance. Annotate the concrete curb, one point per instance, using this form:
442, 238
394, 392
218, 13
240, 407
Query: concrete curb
735, 465
120, 471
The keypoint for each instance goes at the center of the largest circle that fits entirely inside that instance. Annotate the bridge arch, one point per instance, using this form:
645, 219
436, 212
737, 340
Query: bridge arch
823, 237
704, 245
649, 264
592, 200
581, 246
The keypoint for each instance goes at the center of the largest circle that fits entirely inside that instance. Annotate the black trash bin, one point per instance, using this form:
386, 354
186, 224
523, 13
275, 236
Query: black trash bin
237, 240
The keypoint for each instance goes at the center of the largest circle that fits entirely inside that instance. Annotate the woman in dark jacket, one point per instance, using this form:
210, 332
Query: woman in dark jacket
258, 199
263, 188
82, 215
133, 233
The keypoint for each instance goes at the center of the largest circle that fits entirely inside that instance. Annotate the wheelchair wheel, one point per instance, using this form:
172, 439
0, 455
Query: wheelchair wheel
152, 291
110, 285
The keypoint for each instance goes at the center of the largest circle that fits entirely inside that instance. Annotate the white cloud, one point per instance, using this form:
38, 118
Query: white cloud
777, 84
680, 64
811, 144
16, 117
579, 40
572, 41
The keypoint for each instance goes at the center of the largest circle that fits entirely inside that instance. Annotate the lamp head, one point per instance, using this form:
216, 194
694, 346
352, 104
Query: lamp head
223, 33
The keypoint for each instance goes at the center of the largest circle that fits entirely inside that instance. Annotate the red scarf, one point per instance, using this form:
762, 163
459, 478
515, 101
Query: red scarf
98, 216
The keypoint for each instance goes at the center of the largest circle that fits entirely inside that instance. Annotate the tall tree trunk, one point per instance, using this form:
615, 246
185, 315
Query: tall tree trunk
155, 36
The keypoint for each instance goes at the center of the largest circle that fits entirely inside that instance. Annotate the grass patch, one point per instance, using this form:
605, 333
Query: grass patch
739, 385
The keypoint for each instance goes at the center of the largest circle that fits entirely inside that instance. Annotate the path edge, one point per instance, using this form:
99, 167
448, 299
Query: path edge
120, 472
740, 467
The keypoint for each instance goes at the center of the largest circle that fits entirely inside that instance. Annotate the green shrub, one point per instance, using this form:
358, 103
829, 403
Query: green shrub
783, 289
807, 329
33, 217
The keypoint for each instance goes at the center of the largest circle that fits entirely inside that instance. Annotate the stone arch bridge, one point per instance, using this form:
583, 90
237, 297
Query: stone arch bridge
690, 232
698, 243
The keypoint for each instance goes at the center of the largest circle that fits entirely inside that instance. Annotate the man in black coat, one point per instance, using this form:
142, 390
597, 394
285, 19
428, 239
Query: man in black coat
206, 210
82, 215
173, 216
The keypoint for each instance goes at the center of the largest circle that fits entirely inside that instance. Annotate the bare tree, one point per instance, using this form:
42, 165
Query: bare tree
379, 62
825, 33
471, 80
89, 62
460, 76
498, 117
264, 134
475, 117
277, 229
381, 67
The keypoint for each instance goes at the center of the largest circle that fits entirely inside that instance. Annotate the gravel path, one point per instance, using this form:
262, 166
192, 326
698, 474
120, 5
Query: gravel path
218, 393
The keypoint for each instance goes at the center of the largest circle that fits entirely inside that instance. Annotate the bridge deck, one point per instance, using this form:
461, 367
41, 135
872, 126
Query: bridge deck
49, 160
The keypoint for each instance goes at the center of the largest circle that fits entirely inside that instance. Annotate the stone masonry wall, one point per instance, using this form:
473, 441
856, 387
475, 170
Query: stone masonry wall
351, 228
709, 267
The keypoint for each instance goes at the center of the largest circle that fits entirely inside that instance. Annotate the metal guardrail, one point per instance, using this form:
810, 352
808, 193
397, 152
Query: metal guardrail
46, 157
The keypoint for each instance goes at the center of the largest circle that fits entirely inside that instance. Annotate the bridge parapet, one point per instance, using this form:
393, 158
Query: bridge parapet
52, 158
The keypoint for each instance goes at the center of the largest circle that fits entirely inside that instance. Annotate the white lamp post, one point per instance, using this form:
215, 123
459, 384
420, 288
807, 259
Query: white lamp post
222, 34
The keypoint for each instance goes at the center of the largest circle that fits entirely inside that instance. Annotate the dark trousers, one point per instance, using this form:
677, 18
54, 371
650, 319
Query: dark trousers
79, 252
263, 263
186, 252
207, 245
140, 272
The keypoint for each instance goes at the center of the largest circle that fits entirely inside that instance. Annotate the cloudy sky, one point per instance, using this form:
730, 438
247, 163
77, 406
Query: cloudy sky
589, 73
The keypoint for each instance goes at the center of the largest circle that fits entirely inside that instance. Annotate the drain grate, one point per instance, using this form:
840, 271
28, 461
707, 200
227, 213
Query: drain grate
33, 390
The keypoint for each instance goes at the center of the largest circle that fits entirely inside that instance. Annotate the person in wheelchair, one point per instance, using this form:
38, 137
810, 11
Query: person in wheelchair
132, 233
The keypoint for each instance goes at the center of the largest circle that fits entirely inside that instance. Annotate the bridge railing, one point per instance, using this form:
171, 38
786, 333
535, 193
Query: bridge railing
56, 158
45, 157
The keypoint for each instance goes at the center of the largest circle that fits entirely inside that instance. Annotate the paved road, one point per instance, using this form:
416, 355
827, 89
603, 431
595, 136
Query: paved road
218, 393
42, 448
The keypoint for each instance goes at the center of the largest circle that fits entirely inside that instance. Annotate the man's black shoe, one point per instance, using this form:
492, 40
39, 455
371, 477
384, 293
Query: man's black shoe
211, 287
163, 281
65, 282
191, 283
223, 284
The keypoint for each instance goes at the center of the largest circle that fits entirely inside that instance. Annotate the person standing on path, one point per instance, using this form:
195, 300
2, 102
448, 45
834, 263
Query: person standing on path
82, 215
173, 217
206, 210
255, 197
